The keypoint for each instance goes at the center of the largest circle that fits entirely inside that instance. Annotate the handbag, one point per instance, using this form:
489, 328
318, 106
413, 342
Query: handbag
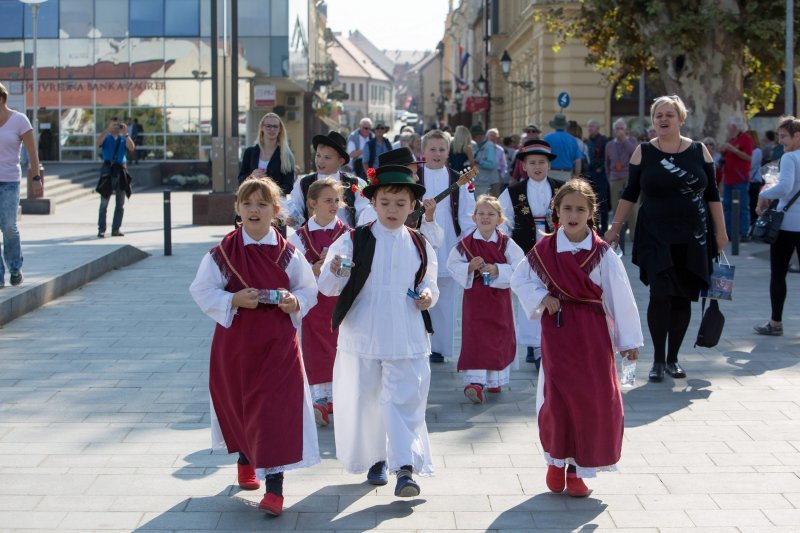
710, 325
769, 222
721, 283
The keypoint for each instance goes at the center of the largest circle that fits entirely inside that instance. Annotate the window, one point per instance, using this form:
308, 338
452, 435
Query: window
111, 18
12, 11
147, 18
361, 92
279, 20
181, 18
74, 22
352, 95
254, 17
279, 56
47, 23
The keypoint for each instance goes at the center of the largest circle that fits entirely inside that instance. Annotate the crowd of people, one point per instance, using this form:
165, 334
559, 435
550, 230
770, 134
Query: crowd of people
391, 239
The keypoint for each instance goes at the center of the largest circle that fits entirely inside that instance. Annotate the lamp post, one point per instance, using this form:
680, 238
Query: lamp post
505, 68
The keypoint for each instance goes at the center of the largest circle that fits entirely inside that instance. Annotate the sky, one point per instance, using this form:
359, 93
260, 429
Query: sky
391, 24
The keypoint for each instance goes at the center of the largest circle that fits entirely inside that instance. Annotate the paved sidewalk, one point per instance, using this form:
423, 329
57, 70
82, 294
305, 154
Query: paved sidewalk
104, 417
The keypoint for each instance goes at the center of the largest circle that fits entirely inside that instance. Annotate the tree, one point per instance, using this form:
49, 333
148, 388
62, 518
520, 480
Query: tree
722, 57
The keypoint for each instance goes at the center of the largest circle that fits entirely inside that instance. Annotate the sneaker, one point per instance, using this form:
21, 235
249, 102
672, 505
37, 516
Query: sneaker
378, 474
321, 415
474, 393
769, 329
247, 477
271, 504
16, 278
406, 486
436, 357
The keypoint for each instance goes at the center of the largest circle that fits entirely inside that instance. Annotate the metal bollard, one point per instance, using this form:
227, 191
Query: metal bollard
167, 223
736, 206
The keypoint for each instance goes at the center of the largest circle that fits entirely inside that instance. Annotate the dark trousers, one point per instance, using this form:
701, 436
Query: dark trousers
780, 255
119, 210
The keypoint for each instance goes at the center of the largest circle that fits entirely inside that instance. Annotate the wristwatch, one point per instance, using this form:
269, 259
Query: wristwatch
37, 178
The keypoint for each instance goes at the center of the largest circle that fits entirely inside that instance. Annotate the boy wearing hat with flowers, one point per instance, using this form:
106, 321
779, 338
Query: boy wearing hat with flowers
526, 208
330, 156
384, 274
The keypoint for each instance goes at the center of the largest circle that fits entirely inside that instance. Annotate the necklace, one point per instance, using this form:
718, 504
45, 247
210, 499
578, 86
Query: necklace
671, 157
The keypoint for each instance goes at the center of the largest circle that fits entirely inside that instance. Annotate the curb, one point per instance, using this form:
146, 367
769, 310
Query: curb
37, 295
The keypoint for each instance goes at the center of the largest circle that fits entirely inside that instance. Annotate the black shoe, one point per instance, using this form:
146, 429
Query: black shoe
117, 234
436, 357
101, 234
16, 278
377, 474
531, 357
675, 370
657, 372
406, 487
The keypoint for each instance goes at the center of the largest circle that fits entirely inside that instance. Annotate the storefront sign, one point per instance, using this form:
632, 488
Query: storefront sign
476, 104
265, 95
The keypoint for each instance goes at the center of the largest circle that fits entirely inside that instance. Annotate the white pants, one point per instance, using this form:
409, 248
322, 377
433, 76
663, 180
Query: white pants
380, 413
443, 316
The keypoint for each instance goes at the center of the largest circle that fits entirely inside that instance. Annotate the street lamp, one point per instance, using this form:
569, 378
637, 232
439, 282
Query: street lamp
35, 4
481, 84
505, 68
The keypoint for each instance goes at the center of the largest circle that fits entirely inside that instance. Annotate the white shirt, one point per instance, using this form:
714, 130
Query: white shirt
297, 198
208, 287
362, 141
538, 194
11, 134
437, 181
295, 239
384, 322
619, 304
458, 264
787, 185
431, 230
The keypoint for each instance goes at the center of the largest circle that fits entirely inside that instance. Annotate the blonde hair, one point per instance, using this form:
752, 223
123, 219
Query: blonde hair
316, 188
268, 189
461, 140
287, 158
575, 185
435, 134
675, 101
3, 92
492, 202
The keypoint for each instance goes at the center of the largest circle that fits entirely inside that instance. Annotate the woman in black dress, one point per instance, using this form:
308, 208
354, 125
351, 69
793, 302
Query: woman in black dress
271, 156
679, 230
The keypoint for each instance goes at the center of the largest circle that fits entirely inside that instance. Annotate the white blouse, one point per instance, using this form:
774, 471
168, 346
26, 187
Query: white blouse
208, 287
297, 199
622, 313
458, 264
384, 322
432, 231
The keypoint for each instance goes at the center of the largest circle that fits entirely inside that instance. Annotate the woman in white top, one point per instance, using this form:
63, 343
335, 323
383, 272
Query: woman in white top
15, 129
780, 252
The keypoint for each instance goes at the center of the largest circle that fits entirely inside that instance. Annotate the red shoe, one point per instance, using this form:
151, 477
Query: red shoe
247, 477
271, 504
555, 478
494, 389
576, 487
330, 408
321, 415
474, 393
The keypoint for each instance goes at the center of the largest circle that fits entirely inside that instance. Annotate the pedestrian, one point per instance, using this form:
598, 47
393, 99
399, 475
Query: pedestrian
355, 146
596, 170
785, 190
482, 263
675, 239
381, 375
756, 179
329, 158
579, 287
258, 287
526, 210
15, 131
617, 157
454, 216
312, 240
461, 155
114, 144
737, 153
376, 146
493, 135
485, 159
568, 161
271, 156
711, 144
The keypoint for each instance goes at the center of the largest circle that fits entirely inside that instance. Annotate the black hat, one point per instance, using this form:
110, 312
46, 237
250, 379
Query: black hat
477, 129
398, 156
535, 146
393, 175
533, 128
335, 140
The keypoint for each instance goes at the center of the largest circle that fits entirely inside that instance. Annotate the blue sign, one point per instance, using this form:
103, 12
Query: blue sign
563, 100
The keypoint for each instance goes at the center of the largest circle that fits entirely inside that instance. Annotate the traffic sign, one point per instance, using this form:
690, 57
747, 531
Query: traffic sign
563, 100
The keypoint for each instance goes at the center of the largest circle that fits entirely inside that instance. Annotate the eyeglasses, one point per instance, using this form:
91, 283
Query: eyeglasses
365, 128
271, 126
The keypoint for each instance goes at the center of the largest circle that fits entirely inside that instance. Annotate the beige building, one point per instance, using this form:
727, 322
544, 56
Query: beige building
426, 76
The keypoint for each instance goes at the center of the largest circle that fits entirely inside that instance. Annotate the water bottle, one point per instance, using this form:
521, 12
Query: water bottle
628, 373
269, 296
487, 278
346, 263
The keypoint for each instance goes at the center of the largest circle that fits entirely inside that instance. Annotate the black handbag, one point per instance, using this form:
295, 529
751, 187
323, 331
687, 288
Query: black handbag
769, 222
710, 325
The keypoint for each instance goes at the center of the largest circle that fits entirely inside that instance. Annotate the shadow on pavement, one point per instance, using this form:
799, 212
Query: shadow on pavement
552, 512
653, 401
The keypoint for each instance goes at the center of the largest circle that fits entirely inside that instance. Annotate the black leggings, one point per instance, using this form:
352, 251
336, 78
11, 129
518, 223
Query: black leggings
780, 254
668, 318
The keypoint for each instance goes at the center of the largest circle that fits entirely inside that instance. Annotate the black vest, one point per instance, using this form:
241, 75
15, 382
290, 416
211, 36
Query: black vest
349, 196
454, 198
524, 233
363, 253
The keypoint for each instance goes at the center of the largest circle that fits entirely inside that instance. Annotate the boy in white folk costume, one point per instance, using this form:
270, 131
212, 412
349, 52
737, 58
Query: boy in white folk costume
385, 276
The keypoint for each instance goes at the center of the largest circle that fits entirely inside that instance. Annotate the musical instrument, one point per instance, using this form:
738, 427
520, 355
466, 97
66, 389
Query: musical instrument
463, 178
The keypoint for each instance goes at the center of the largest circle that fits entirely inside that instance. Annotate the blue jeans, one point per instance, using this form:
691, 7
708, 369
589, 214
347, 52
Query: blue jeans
744, 207
119, 210
12, 251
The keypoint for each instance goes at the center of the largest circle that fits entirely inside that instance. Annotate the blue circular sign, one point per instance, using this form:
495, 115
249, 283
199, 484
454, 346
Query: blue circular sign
563, 100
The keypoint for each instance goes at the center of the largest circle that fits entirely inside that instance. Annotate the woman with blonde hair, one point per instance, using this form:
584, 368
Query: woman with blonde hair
271, 156
461, 153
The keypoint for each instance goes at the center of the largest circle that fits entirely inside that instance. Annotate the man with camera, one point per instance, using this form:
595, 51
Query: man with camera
114, 144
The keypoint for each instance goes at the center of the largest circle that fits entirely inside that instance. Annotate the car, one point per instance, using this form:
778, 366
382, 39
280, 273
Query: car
411, 119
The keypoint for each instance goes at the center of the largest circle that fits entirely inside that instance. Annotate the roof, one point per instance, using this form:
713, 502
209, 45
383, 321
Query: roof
411, 57
372, 51
423, 63
351, 61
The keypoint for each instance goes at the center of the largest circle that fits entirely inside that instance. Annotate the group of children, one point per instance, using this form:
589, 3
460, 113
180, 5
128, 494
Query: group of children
376, 302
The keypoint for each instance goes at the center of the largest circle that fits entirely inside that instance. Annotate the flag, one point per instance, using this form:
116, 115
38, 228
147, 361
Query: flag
461, 85
464, 55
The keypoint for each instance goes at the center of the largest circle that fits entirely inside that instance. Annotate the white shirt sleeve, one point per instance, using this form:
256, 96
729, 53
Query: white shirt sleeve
508, 212
295, 239
362, 202
458, 266
297, 197
466, 207
302, 285
329, 283
619, 303
529, 289
432, 231
367, 215
429, 280
208, 292
785, 185
351, 147
513, 255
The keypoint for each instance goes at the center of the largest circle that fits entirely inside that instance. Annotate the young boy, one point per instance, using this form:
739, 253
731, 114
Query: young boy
455, 218
330, 156
381, 374
526, 208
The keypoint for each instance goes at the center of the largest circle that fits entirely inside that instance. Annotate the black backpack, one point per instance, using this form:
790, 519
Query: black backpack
710, 325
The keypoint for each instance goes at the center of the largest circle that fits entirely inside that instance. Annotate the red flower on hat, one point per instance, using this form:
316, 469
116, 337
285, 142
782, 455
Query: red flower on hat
371, 173
354, 188
471, 187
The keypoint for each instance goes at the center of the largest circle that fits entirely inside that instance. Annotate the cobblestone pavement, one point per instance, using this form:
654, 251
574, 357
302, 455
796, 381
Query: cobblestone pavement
104, 417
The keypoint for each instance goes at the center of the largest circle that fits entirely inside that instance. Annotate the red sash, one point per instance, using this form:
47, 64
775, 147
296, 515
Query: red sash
318, 341
487, 333
582, 414
256, 372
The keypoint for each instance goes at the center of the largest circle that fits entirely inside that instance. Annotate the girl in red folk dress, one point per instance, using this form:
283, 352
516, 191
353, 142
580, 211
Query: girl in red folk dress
318, 341
482, 262
579, 287
257, 287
